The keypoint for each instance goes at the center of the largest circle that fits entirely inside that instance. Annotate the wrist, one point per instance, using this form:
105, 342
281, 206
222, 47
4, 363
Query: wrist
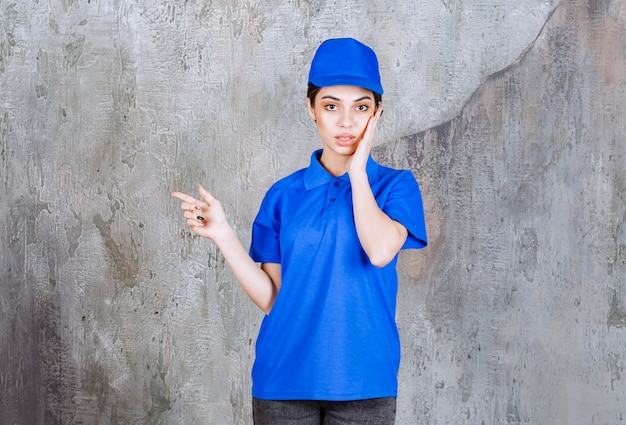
357, 173
222, 235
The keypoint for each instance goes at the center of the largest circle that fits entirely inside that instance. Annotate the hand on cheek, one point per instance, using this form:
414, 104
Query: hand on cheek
358, 160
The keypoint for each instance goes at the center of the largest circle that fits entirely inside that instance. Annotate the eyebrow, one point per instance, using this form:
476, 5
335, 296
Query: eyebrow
366, 97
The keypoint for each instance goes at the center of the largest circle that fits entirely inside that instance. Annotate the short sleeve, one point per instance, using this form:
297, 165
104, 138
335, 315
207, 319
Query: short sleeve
404, 204
265, 245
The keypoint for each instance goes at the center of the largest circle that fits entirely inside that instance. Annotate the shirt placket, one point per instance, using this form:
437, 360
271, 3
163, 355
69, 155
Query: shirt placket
333, 195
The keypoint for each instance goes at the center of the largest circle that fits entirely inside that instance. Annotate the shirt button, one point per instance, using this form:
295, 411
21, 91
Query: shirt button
332, 199
336, 184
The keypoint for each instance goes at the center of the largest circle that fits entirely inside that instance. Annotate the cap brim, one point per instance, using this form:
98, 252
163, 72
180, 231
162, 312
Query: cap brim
337, 80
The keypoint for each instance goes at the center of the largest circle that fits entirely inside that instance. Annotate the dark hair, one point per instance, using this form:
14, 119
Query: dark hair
313, 90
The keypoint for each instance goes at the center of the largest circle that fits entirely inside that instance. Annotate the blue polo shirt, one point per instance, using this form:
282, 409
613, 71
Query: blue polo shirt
331, 334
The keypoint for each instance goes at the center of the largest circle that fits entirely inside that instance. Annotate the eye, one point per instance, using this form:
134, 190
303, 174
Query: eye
362, 108
330, 107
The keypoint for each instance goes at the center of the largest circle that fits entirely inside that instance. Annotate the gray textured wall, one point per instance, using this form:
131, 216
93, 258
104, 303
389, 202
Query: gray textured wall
510, 114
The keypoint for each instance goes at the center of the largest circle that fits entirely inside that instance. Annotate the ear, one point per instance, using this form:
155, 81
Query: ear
311, 108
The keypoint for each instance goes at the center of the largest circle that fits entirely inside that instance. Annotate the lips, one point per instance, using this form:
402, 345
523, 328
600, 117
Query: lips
345, 139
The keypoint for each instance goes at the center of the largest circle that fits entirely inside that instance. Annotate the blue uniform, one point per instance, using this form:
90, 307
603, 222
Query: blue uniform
331, 334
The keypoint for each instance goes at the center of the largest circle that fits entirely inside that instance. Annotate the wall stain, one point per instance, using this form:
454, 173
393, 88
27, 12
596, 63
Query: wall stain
24, 211
57, 370
614, 368
7, 39
617, 315
124, 254
95, 383
160, 402
73, 50
73, 233
526, 254
43, 77
256, 22
598, 7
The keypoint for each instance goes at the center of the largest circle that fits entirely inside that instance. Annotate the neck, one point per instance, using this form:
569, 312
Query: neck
335, 165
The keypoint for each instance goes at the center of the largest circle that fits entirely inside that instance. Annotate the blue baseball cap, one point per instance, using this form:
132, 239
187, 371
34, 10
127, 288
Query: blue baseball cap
345, 62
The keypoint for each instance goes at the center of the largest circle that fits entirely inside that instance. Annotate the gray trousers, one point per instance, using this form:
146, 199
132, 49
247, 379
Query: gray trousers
376, 411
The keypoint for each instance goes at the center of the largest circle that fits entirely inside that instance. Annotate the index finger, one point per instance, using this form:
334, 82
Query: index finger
185, 198
379, 110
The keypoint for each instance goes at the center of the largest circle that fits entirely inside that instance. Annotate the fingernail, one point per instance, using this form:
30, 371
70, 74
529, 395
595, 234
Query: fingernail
197, 207
200, 218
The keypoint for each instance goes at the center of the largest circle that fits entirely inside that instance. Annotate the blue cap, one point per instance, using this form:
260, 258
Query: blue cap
345, 62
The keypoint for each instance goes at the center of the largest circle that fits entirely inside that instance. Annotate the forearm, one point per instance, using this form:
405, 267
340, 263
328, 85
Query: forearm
380, 236
255, 282
206, 218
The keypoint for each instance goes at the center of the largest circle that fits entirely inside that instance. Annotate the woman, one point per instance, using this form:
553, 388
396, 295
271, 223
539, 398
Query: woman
327, 238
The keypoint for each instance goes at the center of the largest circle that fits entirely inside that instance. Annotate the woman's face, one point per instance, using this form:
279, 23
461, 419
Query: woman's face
341, 114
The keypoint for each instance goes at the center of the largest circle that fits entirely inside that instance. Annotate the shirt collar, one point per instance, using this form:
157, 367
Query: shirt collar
316, 175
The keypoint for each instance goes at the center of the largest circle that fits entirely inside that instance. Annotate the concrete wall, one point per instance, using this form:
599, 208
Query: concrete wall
510, 114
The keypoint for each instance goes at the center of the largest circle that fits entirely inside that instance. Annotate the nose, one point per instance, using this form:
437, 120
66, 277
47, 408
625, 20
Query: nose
345, 120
